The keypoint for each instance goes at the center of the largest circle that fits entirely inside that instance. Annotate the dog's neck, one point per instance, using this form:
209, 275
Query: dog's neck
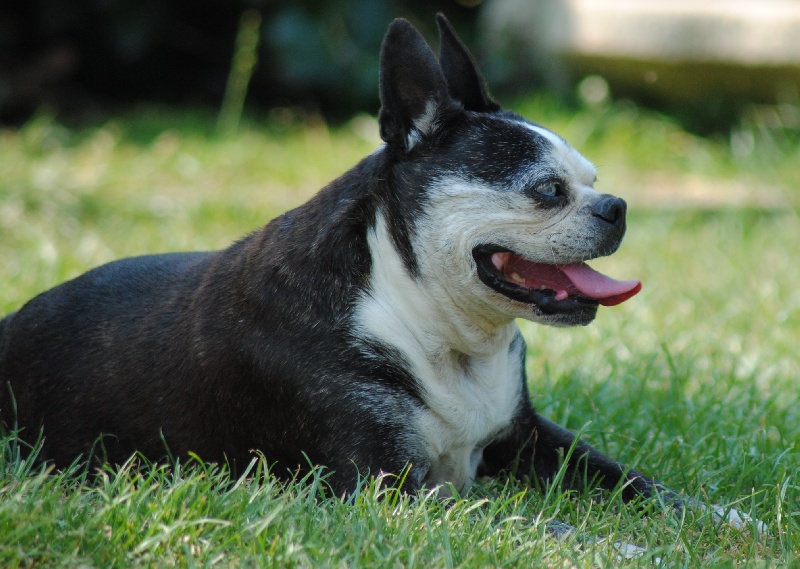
417, 315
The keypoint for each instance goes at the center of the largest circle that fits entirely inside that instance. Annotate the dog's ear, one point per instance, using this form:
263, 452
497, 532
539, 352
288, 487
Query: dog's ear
414, 97
464, 82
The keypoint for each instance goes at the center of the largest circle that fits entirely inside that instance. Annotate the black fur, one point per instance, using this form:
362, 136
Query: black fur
464, 83
252, 347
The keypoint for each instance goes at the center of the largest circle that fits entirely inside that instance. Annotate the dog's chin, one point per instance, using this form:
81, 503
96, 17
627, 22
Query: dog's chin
538, 302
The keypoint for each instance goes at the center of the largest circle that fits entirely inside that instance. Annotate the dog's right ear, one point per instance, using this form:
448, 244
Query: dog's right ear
414, 96
464, 81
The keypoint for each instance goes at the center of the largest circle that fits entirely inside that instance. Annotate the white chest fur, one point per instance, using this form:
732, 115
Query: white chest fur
467, 404
468, 397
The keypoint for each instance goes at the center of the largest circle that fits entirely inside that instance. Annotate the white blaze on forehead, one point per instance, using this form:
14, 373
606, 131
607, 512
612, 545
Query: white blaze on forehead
571, 160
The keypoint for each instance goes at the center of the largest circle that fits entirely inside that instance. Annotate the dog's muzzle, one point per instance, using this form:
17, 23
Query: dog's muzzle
610, 211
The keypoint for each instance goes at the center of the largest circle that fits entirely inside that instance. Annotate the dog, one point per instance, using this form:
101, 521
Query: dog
371, 330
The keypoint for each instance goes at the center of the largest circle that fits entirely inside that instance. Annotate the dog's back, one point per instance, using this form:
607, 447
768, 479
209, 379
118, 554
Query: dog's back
110, 313
214, 354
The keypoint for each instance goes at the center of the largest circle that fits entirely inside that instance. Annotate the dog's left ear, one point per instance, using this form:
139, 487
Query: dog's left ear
414, 97
464, 82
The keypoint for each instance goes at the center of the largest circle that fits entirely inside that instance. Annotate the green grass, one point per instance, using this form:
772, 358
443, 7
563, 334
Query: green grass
695, 380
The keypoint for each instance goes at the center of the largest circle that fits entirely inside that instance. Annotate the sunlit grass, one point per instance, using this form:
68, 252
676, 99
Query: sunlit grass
695, 380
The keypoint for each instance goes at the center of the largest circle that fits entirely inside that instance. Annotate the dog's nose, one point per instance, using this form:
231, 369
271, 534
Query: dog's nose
611, 209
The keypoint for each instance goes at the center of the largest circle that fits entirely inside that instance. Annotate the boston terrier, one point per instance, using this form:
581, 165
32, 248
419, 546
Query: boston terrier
370, 330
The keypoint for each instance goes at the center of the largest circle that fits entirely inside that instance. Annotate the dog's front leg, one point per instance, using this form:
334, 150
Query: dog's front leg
536, 448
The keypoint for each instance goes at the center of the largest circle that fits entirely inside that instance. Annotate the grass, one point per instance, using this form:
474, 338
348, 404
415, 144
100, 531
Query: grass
694, 380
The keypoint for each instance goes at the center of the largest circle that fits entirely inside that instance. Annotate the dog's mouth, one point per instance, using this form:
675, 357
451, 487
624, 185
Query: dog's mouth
552, 287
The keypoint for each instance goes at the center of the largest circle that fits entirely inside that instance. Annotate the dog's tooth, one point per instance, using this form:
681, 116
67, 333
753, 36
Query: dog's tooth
562, 295
498, 260
516, 278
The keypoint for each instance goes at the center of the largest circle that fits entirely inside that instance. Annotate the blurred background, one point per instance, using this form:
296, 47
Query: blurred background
706, 63
83, 56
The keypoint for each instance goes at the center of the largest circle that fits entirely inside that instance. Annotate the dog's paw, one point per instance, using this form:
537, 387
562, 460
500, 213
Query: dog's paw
625, 550
628, 550
737, 519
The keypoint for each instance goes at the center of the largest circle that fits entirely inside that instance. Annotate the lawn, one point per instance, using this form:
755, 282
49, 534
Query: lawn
695, 380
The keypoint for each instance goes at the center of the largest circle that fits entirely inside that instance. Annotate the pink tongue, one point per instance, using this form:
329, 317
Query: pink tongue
607, 291
566, 279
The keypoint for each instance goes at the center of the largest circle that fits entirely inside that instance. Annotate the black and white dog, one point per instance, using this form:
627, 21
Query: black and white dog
370, 330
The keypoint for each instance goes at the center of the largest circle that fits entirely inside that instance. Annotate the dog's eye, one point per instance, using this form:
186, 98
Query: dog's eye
550, 189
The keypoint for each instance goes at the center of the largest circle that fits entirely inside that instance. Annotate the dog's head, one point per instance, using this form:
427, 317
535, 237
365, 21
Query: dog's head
506, 210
